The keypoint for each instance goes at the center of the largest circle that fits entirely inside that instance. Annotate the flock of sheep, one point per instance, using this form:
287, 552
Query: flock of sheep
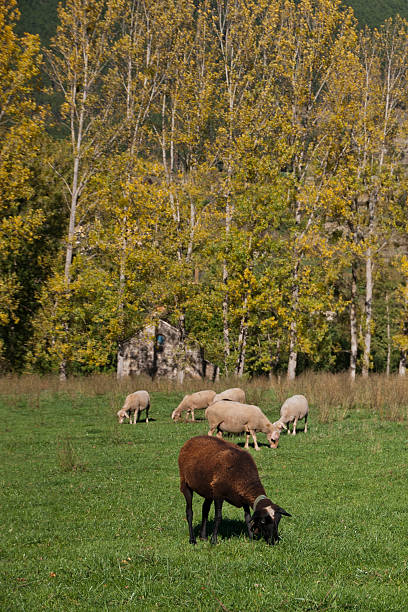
218, 470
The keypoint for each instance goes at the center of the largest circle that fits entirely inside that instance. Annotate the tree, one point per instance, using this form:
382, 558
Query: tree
22, 218
370, 169
78, 64
312, 38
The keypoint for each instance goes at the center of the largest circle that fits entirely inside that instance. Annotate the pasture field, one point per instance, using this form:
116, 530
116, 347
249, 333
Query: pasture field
93, 519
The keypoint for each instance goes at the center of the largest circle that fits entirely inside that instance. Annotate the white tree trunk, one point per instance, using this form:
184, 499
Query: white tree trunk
402, 368
292, 363
242, 341
293, 352
353, 323
225, 322
368, 314
387, 369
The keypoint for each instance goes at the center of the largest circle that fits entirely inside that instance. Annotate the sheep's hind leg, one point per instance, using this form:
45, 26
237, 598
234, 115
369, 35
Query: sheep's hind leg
217, 519
305, 424
188, 494
206, 508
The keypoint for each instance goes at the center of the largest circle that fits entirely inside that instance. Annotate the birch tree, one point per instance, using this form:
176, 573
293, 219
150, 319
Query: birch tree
311, 39
371, 170
78, 63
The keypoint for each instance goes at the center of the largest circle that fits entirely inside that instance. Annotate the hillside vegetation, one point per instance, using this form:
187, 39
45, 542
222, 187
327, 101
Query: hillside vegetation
374, 12
41, 16
238, 171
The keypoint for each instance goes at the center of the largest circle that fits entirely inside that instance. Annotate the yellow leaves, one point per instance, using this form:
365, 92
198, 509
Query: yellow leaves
401, 341
17, 231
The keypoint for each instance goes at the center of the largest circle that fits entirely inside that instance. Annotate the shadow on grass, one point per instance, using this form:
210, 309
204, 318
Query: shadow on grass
229, 528
151, 420
251, 445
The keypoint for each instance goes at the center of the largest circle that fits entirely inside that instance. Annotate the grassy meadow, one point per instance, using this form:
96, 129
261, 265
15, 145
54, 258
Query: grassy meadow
93, 519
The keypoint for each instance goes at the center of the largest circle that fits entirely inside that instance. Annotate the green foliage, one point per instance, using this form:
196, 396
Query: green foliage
375, 12
41, 18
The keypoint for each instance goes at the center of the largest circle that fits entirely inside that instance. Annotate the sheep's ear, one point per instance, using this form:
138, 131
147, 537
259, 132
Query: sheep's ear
280, 510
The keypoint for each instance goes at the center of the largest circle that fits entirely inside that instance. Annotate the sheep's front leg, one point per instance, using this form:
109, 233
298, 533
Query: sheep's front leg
294, 426
217, 519
247, 516
188, 494
247, 434
253, 434
147, 414
192, 415
206, 508
306, 423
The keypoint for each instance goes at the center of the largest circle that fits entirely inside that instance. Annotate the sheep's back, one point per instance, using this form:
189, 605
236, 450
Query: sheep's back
234, 395
138, 399
233, 416
295, 406
214, 468
201, 399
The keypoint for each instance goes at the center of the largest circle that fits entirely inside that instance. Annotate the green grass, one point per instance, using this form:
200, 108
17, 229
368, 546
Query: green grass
93, 518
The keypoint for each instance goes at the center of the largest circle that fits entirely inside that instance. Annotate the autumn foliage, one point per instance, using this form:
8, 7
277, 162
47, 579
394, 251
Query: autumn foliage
238, 168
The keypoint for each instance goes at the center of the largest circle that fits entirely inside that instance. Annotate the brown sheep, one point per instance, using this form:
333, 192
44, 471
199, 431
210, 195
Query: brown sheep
135, 402
218, 470
195, 401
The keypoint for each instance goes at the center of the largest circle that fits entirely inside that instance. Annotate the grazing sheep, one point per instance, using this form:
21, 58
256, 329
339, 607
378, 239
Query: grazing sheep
236, 418
234, 395
135, 402
293, 409
195, 401
218, 471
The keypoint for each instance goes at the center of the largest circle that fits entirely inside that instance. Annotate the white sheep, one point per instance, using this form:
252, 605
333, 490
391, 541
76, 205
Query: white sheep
234, 417
135, 402
190, 403
234, 395
293, 409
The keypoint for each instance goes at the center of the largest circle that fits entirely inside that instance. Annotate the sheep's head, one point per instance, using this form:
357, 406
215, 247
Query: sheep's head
122, 415
175, 415
265, 521
273, 435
